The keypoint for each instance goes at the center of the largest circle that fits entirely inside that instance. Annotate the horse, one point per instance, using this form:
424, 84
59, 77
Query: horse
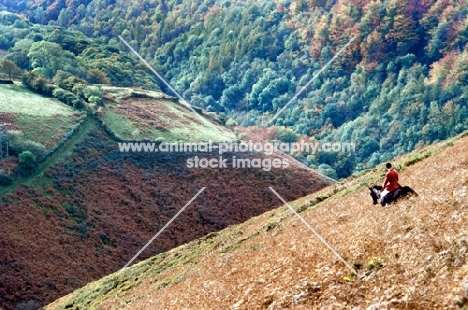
401, 191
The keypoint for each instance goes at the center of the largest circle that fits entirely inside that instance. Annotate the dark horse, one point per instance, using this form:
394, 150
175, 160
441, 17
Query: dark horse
402, 191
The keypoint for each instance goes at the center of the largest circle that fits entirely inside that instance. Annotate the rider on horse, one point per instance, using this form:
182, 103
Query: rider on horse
390, 185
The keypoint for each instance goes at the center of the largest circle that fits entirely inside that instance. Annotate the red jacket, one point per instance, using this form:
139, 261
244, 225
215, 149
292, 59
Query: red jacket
391, 180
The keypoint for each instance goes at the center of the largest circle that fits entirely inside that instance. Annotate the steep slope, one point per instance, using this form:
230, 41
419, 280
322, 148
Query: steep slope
88, 213
411, 255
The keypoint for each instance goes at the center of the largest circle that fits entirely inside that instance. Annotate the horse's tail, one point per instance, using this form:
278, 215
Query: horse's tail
412, 191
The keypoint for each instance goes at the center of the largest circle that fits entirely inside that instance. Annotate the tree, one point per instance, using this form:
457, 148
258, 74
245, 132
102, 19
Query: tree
10, 69
327, 171
372, 17
47, 58
27, 159
372, 48
231, 96
461, 68
403, 34
286, 135
96, 76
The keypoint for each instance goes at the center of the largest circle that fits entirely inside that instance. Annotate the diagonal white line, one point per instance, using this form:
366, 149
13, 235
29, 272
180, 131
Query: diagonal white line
311, 80
313, 230
160, 77
162, 229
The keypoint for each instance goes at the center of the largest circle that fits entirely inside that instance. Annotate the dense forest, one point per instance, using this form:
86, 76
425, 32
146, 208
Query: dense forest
55, 53
399, 85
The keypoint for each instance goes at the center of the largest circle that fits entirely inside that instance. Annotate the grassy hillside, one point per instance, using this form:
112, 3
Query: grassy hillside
145, 115
39, 118
411, 255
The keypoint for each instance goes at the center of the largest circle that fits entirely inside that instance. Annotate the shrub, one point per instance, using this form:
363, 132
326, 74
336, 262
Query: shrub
70, 88
68, 98
374, 263
38, 84
48, 89
38, 149
327, 171
60, 78
5, 179
93, 94
18, 145
27, 160
287, 135
78, 89
270, 226
90, 91
231, 123
222, 117
35, 82
95, 100
73, 82
28, 78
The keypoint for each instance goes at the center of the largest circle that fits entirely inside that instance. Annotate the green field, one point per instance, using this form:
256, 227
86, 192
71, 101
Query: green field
145, 115
40, 119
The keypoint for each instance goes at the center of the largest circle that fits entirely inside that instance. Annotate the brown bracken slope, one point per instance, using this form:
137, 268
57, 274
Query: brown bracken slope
89, 214
411, 255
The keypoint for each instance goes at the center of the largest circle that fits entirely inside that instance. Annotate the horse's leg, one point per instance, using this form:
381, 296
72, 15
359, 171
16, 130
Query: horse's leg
382, 199
396, 194
385, 197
